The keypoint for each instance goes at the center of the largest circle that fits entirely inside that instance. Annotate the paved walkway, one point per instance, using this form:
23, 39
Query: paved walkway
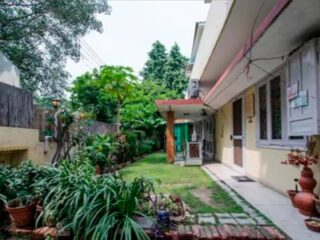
272, 204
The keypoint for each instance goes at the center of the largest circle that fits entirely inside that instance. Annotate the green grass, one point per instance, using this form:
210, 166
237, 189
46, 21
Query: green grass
183, 181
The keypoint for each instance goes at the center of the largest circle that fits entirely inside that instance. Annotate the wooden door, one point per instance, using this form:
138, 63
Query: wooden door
237, 136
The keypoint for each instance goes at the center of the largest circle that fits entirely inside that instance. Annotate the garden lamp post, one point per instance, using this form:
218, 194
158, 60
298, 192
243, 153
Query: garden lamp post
56, 103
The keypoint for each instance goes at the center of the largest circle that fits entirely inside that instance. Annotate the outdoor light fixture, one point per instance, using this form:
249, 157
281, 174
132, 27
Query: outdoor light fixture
56, 103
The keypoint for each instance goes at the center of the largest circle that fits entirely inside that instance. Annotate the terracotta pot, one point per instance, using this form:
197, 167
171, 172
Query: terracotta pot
292, 194
306, 181
22, 216
304, 199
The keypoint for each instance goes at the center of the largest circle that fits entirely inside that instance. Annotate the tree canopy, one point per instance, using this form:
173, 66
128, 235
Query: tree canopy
155, 65
166, 69
174, 74
113, 92
39, 36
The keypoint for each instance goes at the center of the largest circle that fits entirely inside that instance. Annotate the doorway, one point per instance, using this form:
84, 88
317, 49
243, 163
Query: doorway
237, 135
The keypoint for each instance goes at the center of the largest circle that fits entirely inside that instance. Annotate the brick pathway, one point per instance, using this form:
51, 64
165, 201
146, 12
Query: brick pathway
227, 231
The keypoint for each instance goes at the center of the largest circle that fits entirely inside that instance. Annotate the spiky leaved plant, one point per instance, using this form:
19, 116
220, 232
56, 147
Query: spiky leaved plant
97, 207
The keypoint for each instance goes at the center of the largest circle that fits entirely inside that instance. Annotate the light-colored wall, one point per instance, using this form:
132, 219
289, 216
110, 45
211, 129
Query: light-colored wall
9, 73
10, 137
261, 164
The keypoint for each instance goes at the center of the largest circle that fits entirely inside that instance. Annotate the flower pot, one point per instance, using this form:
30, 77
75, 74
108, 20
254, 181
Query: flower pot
304, 199
292, 194
22, 216
313, 225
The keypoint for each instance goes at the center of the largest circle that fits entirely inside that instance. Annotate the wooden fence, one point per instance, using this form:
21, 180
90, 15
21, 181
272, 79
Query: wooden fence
16, 107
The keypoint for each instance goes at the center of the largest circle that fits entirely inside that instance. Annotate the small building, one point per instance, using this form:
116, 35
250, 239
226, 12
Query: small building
20, 134
255, 75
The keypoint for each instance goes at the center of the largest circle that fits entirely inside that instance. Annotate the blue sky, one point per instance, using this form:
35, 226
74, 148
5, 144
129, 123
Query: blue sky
133, 26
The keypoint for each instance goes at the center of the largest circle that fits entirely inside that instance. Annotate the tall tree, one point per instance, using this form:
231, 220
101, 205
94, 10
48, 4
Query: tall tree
39, 36
119, 82
174, 74
154, 67
90, 97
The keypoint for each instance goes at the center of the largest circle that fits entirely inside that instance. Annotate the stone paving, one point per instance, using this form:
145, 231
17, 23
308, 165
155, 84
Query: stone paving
273, 205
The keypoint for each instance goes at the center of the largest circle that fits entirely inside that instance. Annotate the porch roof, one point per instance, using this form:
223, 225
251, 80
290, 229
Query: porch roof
184, 109
286, 26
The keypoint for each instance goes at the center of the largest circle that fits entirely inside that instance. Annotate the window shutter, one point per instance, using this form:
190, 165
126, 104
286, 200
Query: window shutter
302, 74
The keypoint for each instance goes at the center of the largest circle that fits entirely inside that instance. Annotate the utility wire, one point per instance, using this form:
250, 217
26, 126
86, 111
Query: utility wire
86, 52
94, 53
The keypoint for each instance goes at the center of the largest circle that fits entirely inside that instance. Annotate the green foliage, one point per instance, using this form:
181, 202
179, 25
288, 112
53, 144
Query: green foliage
98, 150
166, 69
39, 36
26, 183
97, 207
155, 66
175, 77
89, 96
104, 92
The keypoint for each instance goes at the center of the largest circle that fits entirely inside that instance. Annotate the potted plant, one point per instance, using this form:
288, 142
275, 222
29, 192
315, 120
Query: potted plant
21, 203
304, 200
22, 211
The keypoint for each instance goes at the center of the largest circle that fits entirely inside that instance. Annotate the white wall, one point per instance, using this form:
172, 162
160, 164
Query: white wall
9, 73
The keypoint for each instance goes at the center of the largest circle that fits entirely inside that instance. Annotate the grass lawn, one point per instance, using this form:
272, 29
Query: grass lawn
192, 184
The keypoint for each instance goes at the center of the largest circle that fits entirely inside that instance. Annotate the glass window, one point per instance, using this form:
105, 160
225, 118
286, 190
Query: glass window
263, 111
275, 99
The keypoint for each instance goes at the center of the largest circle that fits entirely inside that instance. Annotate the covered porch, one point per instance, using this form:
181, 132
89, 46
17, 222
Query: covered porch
189, 131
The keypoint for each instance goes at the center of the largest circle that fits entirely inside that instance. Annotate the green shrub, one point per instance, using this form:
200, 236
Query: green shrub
132, 140
97, 207
99, 149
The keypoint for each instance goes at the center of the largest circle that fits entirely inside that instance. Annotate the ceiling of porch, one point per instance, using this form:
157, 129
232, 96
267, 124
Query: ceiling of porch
184, 109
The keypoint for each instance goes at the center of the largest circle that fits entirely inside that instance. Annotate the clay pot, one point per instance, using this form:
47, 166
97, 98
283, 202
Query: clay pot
306, 181
22, 216
292, 194
304, 199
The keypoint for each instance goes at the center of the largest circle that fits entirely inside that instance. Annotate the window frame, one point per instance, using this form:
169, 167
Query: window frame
284, 142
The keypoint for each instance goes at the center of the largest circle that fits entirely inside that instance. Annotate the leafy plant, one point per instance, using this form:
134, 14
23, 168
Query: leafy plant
98, 149
97, 207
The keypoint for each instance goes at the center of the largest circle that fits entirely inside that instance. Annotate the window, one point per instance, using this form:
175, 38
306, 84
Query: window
271, 115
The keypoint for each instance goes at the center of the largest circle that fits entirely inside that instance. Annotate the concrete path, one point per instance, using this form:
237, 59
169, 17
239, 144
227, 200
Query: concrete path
272, 204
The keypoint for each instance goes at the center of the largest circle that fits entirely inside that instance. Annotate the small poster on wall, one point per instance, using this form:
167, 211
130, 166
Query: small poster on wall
301, 100
292, 91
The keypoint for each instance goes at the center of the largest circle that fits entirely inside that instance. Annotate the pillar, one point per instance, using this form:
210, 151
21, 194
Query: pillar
170, 137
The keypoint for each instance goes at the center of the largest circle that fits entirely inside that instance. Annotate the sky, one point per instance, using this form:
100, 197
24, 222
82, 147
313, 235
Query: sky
133, 26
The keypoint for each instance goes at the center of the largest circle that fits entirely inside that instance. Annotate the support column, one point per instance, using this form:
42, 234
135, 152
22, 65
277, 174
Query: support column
170, 137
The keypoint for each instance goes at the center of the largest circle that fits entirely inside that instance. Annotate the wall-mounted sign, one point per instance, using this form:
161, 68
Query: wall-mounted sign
292, 91
301, 100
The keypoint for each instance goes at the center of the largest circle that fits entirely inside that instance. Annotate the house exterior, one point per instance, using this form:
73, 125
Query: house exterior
19, 131
255, 73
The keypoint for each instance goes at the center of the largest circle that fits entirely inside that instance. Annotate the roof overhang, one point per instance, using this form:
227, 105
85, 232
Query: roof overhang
287, 25
184, 109
229, 25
